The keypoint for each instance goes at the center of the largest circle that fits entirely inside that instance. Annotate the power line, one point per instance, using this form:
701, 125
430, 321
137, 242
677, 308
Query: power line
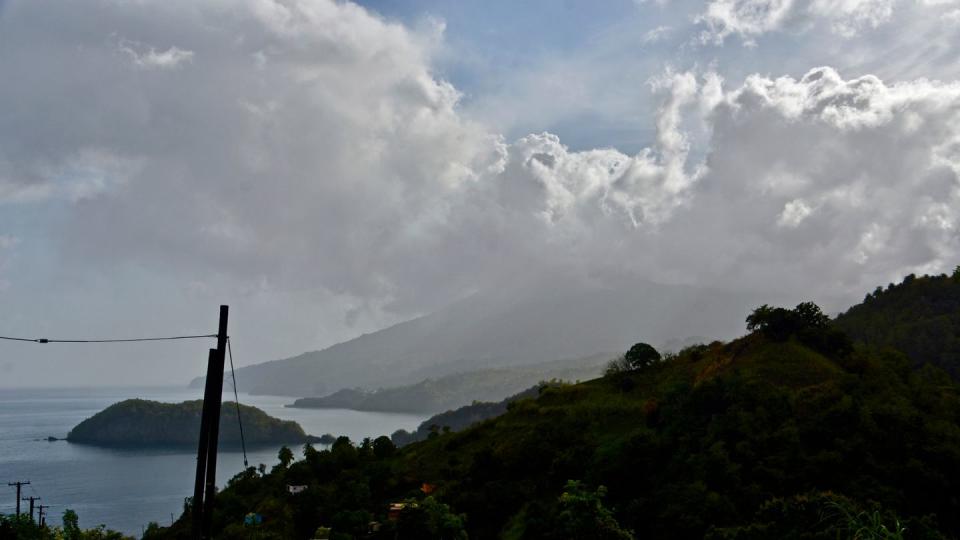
236, 401
47, 340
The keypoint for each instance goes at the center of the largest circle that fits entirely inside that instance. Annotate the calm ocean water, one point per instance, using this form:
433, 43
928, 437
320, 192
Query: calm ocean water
126, 489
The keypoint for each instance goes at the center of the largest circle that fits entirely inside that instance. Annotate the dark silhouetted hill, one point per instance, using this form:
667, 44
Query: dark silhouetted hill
140, 423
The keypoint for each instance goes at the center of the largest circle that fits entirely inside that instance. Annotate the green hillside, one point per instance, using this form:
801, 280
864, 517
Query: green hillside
919, 316
139, 422
788, 432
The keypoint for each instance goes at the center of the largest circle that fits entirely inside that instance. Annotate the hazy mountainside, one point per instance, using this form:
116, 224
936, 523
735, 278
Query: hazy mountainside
919, 316
140, 422
788, 432
513, 326
460, 418
452, 391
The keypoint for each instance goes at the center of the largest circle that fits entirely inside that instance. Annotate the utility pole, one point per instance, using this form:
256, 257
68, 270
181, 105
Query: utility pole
42, 517
201, 478
31, 499
204, 489
19, 484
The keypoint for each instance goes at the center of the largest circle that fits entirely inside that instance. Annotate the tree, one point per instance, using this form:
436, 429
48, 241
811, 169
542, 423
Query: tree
285, 456
641, 355
810, 315
617, 365
383, 447
583, 515
780, 323
430, 518
806, 322
71, 525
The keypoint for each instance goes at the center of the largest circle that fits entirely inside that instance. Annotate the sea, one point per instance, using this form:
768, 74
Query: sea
127, 489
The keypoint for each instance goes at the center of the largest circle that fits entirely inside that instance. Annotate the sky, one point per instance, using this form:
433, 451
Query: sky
330, 168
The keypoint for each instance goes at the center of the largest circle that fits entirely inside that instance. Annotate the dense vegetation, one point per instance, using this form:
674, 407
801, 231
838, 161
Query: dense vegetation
139, 422
452, 391
919, 316
788, 432
22, 527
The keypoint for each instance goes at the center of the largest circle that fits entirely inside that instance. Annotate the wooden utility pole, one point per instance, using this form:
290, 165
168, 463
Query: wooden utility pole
201, 478
204, 489
19, 484
42, 518
31, 499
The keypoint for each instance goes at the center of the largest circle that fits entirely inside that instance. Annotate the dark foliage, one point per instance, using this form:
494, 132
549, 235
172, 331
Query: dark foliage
140, 422
641, 355
22, 527
805, 323
920, 316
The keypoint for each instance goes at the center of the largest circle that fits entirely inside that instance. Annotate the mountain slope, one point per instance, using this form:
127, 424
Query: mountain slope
773, 435
919, 316
461, 418
452, 391
519, 325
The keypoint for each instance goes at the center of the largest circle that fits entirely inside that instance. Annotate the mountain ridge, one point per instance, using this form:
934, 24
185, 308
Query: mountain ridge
513, 326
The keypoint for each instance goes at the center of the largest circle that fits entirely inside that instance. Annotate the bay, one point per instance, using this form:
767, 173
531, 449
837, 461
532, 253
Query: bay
126, 489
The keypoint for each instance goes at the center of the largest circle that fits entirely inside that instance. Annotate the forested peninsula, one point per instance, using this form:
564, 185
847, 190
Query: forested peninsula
144, 423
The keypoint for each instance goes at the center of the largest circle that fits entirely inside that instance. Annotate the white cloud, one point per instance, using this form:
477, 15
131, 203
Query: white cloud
746, 18
310, 151
794, 212
750, 19
861, 164
656, 34
149, 57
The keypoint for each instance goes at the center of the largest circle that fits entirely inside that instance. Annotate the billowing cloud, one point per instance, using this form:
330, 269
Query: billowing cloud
307, 149
308, 145
849, 180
